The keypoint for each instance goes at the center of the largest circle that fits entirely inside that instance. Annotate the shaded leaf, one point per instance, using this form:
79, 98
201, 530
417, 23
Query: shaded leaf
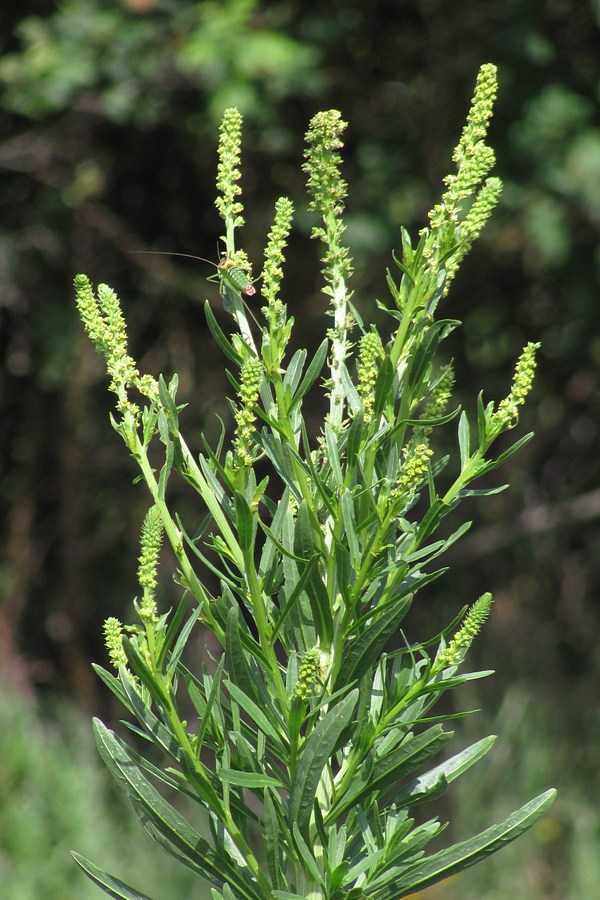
109, 884
315, 754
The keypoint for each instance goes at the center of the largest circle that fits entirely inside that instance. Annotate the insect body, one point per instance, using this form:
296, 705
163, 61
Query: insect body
235, 277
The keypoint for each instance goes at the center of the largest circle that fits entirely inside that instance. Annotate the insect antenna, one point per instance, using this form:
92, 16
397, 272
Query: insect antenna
172, 253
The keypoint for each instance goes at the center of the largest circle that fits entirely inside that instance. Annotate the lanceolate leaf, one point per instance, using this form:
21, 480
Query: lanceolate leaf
390, 768
162, 821
461, 856
421, 788
109, 884
385, 379
313, 371
315, 755
365, 651
264, 719
237, 664
225, 345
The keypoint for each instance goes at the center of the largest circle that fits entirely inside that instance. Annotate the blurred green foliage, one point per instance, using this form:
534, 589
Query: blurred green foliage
55, 797
108, 115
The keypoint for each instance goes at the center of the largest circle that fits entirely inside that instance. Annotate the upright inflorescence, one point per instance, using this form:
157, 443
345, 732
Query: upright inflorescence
471, 196
228, 170
507, 413
456, 650
309, 673
328, 191
151, 540
105, 325
276, 241
113, 639
250, 379
370, 354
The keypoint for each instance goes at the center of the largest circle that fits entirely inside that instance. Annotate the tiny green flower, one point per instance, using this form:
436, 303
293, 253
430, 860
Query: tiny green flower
309, 673
370, 355
328, 190
228, 170
105, 325
453, 225
151, 540
472, 225
276, 241
457, 649
507, 414
414, 470
113, 639
439, 398
250, 379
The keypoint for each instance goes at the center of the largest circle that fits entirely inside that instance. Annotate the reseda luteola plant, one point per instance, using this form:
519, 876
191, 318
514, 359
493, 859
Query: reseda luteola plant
310, 741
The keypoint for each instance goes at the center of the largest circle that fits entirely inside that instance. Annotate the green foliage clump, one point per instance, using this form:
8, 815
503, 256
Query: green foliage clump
310, 736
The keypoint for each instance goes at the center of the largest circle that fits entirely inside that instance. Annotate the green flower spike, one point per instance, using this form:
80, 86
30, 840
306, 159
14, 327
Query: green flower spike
277, 240
229, 173
454, 225
308, 673
328, 190
370, 355
151, 540
113, 639
457, 649
250, 380
440, 396
414, 470
507, 414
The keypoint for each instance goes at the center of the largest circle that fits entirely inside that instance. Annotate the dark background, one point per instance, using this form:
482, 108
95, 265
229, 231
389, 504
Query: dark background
108, 125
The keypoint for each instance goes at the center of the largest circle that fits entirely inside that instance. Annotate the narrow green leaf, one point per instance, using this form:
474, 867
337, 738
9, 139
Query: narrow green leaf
333, 456
420, 789
385, 380
237, 665
215, 690
218, 335
162, 821
494, 463
481, 492
149, 722
272, 835
464, 439
109, 884
390, 768
307, 857
244, 522
114, 685
144, 673
286, 895
481, 420
173, 629
264, 721
252, 780
366, 649
320, 605
350, 527
181, 644
304, 542
294, 370
315, 754
313, 371
454, 859
354, 437
168, 404
306, 574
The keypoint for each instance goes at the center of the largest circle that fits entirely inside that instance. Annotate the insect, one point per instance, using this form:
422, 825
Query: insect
232, 277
